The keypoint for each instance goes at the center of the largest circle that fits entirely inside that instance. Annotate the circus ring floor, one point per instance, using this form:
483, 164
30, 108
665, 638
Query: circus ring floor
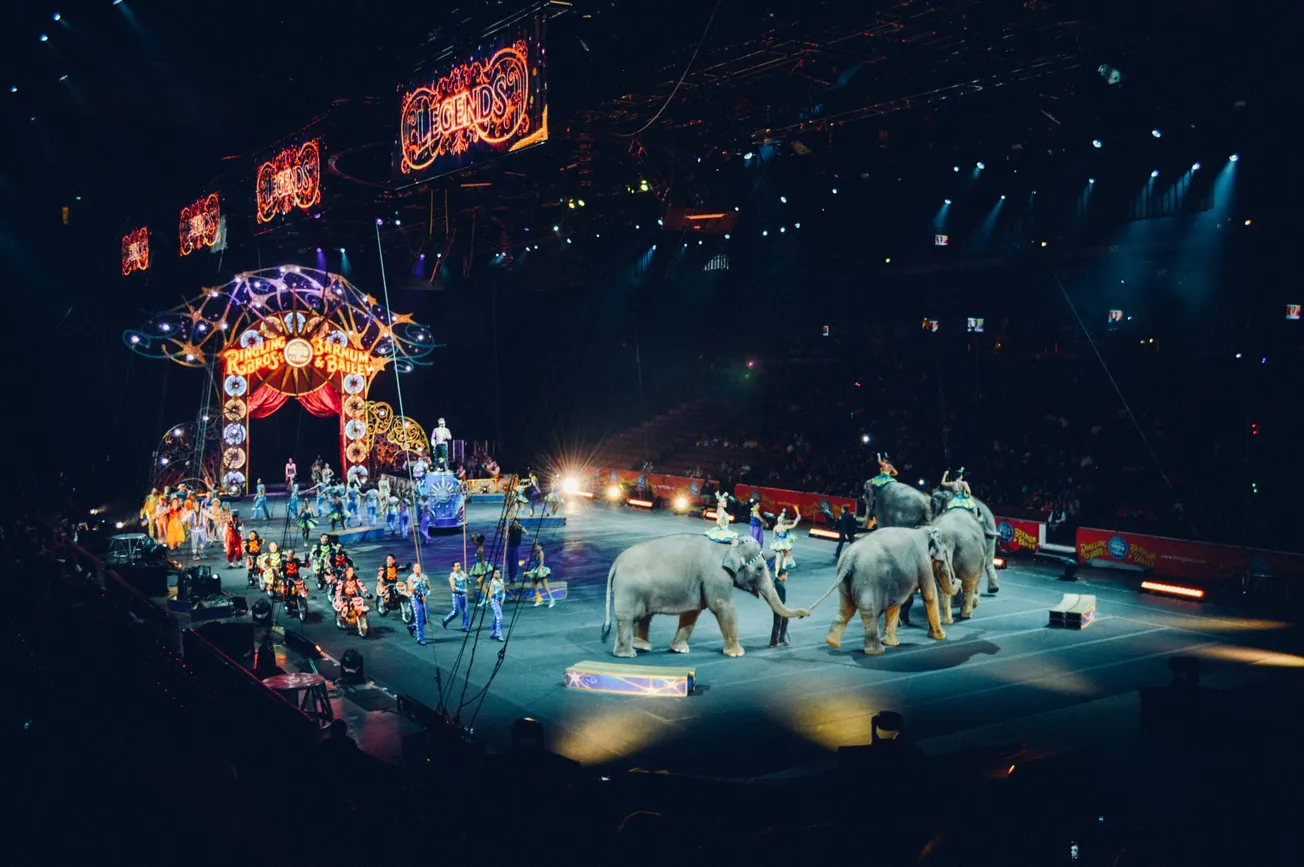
1003, 677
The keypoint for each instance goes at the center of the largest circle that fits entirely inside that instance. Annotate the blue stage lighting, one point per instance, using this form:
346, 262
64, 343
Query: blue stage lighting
341, 248
1091, 180
946, 201
44, 38
957, 168
1233, 158
981, 166
1095, 143
1002, 198
748, 155
1155, 173
1156, 133
1195, 167
835, 191
13, 88
765, 233
57, 16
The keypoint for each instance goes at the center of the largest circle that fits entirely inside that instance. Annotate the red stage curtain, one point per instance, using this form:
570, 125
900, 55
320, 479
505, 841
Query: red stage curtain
323, 402
265, 401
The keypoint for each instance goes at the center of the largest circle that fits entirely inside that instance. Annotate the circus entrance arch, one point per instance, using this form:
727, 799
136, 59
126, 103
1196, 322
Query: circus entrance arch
292, 333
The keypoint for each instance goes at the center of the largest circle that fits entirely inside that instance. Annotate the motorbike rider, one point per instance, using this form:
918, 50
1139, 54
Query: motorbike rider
348, 589
253, 550
290, 569
387, 579
271, 563
320, 554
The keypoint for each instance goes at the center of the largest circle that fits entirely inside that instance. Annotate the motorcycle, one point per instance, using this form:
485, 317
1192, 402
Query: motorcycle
326, 574
351, 613
392, 595
296, 599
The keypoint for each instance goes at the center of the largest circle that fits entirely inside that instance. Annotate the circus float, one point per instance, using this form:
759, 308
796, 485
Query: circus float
285, 333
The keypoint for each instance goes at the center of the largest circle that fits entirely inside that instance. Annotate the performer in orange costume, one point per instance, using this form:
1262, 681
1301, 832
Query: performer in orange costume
176, 532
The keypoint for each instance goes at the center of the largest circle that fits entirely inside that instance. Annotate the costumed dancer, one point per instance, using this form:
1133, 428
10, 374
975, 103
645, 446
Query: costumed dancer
382, 485
176, 530
538, 574
497, 592
419, 469
198, 531
233, 546
327, 474
260, 501
291, 473
160, 518
757, 525
337, 510
886, 472
352, 503
440, 437
404, 520
391, 516
373, 506
321, 499
962, 496
721, 532
292, 502
423, 518
779, 631
306, 522
147, 512
316, 471
457, 584
782, 544
418, 589
479, 571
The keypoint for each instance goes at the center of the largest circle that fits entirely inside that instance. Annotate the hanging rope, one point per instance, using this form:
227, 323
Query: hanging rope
680, 82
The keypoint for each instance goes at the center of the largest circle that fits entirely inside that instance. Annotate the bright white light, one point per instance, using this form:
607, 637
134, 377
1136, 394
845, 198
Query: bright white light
726, 236
1156, 133
748, 155
660, 222
57, 16
864, 438
765, 233
1091, 180
796, 225
135, 339
568, 240
681, 503
570, 485
341, 249
835, 191
398, 222
556, 228
1155, 173
783, 199
946, 201
957, 168
1002, 198
1095, 143
783, 229
613, 493
13, 88
1233, 158
44, 38
63, 78
163, 461
1195, 167
119, 525
981, 166
165, 327
176, 432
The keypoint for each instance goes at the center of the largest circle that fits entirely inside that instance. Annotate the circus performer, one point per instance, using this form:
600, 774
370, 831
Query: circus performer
721, 532
320, 505
538, 574
497, 592
147, 512
491, 467
391, 516
198, 531
963, 496
160, 520
336, 513
782, 544
306, 521
260, 501
419, 590
404, 520
352, 502
479, 571
292, 500
233, 530
327, 474
886, 472
440, 437
779, 628
373, 506
382, 485
291, 473
457, 584
253, 545
423, 519
757, 525
419, 468
270, 564
316, 471
176, 529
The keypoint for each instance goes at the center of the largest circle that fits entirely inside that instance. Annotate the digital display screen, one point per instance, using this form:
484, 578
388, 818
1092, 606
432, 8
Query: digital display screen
826, 331
941, 240
1115, 316
288, 180
930, 325
1292, 311
466, 109
975, 325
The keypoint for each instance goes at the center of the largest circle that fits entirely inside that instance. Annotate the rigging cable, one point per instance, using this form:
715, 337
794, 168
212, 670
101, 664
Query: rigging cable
679, 83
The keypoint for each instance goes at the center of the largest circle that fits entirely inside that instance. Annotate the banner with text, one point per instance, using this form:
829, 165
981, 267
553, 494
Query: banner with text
1014, 535
1183, 560
657, 484
774, 499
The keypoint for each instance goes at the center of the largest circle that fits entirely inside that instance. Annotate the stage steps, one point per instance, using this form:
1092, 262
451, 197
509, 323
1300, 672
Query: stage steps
627, 679
1074, 611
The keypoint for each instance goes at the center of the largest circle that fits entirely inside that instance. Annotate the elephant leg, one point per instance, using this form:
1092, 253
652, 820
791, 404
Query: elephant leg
993, 583
890, 625
728, 621
872, 644
640, 633
845, 610
687, 621
934, 618
944, 607
968, 599
625, 638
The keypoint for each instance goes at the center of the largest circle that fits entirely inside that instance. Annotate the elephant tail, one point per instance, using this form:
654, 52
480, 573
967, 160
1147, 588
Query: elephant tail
606, 624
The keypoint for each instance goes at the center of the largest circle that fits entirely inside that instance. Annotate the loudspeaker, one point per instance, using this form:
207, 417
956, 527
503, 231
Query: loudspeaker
201, 582
351, 667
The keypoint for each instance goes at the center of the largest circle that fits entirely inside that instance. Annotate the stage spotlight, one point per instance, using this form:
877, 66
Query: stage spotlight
1195, 167
57, 16
726, 236
765, 233
556, 228
1002, 198
783, 229
681, 503
570, 485
660, 222
341, 249
957, 168
44, 38
748, 155
1155, 173
63, 78
613, 493
1096, 143
946, 201
1156, 133
864, 438
783, 199
119, 525
981, 166
1233, 158
796, 225
13, 88
1091, 180
835, 191
568, 240
579, 202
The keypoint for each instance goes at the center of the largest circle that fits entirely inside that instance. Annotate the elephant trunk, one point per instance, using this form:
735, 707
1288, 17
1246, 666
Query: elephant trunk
944, 573
771, 597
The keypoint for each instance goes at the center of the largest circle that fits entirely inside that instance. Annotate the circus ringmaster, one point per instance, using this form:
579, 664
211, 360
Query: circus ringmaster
282, 333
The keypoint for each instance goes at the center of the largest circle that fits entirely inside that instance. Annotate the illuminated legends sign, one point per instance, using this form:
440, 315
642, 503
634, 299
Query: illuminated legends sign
200, 224
135, 250
289, 180
493, 103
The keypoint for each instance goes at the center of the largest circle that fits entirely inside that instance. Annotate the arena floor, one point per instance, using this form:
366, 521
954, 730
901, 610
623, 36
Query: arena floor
1003, 677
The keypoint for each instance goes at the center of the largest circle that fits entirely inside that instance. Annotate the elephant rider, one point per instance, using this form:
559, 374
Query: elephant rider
721, 532
886, 472
962, 497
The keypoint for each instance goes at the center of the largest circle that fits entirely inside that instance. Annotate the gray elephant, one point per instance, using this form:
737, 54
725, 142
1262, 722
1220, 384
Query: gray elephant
879, 572
963, 536
684, 574
941, 505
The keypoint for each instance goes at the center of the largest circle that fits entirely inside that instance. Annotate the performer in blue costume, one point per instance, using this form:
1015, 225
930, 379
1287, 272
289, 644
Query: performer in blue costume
497, 592
423, 518
373, 506
404, 520
353, 505
757, 526
292, 503
337, 510
782, 544
418, 589
721, 532
321, 498
886, 472
962, 497
419, 468
457, 584
391, 516
260, 501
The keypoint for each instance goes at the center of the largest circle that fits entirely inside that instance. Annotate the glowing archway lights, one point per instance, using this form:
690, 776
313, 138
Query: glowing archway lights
201, 222
135, 250
474, 102
289, 180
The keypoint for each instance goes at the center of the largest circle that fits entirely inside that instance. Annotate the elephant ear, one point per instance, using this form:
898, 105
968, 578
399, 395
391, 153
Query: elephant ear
737, 554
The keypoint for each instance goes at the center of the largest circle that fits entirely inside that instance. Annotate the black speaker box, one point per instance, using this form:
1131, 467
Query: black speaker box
149, 578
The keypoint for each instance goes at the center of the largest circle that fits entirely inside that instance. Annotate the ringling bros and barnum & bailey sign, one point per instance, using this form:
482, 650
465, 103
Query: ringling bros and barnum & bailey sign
292, 333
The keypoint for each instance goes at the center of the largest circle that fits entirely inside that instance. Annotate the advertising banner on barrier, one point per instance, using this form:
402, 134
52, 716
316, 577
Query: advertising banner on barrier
1183, 560
774, 499
1014, 535
658, 484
